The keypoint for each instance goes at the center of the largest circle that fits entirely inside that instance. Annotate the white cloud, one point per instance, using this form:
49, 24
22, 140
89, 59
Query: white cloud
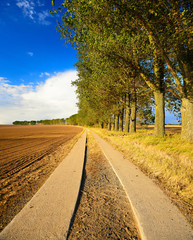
8, 91
46, 74
28, 7
54, 98
40, 4
42, 18
33, 10
3, 79
30, 54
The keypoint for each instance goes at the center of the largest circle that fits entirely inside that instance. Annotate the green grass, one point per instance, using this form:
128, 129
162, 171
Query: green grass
169, 159
171, 143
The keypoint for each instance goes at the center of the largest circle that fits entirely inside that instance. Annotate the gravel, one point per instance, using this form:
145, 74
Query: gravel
103, 211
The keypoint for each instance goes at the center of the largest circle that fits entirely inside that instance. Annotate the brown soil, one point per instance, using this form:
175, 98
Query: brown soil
169, 129
28, 155
104, 211
33, 152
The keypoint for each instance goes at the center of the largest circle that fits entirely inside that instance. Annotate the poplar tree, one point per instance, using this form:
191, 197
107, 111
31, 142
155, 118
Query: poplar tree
147, 37
169, 25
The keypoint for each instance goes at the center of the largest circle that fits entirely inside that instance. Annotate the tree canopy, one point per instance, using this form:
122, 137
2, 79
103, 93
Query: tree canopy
141, 51
45, 122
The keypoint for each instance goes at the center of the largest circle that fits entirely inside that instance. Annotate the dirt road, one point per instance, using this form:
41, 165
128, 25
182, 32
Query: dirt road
104, 210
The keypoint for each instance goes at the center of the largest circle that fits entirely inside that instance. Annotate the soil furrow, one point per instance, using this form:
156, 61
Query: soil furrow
25, 149
20, 160
28, 142
23, 173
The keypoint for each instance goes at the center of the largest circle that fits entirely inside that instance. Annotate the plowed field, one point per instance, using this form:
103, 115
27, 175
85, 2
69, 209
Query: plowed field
28, 154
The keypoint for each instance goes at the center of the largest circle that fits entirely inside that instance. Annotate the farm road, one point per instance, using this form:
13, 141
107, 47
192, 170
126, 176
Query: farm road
157, 217
47, 215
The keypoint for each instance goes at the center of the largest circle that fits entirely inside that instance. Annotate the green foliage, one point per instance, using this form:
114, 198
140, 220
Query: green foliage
33, 122
45, 122
146, 116
127, 45
72, 120
21, 122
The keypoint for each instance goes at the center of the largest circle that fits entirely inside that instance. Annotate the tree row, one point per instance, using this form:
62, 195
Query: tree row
45, 122
135, 58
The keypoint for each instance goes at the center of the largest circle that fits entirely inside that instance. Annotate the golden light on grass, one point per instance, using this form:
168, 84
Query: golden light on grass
169, 159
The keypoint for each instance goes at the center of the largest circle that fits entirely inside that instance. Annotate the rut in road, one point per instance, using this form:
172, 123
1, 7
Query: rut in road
104, 211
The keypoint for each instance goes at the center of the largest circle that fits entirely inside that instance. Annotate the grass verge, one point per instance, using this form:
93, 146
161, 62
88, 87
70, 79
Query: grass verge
169, 160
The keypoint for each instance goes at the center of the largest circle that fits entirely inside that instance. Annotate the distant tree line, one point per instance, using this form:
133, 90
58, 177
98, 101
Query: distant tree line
44, 122
73, 120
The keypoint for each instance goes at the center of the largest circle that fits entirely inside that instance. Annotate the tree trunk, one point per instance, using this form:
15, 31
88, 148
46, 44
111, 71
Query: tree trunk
116, 122
109, 124
159, 95
113, 122
132, 128
187, 119
121, 118
159, 128
127, 113
101, 124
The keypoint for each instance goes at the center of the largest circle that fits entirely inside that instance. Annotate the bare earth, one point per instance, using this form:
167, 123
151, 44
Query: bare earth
28, 155
104, 211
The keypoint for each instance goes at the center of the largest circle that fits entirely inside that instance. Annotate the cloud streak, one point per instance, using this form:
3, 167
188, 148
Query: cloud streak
54, 98
45, 74
33, 10
42, 18
28, 7
30, 54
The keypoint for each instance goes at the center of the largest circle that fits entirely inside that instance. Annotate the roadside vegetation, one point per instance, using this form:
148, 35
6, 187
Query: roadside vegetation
168, 159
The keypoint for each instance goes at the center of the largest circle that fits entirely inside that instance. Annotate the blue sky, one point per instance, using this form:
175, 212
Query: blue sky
36, 67
32, 58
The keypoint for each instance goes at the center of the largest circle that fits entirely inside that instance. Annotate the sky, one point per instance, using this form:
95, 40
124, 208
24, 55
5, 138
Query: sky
36, 66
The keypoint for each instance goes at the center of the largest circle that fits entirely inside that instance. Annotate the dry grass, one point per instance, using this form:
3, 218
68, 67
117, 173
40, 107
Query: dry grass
169, 159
